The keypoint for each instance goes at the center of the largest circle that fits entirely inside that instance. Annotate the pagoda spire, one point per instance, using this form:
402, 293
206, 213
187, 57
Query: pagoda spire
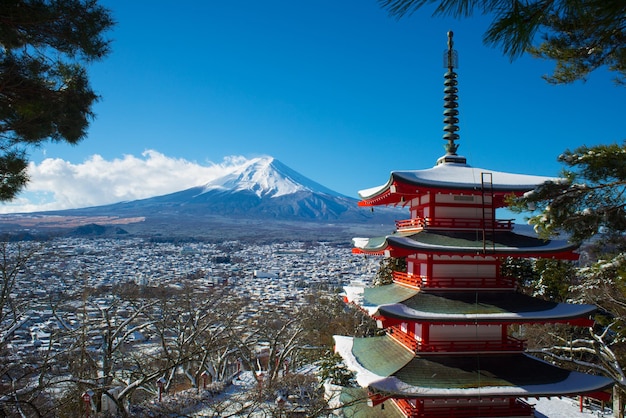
450, 105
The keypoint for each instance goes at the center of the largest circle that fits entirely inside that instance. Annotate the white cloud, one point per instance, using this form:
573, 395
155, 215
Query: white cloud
58, 184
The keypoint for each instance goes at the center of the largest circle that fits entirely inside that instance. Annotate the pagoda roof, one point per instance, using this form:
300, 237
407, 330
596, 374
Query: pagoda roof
501, 243
399, 302
448, 177
354, 404
380, 365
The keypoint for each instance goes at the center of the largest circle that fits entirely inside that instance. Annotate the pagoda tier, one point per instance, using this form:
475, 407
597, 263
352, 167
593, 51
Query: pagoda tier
386, 367
416, 187
436, 242
395, 303
448, 385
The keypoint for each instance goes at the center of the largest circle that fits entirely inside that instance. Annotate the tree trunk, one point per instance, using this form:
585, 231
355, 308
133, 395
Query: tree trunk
618, 402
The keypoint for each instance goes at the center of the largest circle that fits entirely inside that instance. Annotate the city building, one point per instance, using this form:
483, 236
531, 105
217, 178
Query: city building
448, 349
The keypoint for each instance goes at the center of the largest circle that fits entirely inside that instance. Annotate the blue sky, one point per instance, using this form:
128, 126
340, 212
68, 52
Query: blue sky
335, 89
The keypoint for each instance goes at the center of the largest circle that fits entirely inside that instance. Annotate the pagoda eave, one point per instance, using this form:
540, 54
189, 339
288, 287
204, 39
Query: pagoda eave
446, 178
400, 194
466, 243
574, 321
397, 303
397, 249
406, 375
392, 251
573, 386
389, 317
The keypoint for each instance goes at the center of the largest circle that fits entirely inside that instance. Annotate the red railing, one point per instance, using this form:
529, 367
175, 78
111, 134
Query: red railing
407, 279
510, 344
418, 281
409, 341
402, 337
469, 282
516, 407
454, 223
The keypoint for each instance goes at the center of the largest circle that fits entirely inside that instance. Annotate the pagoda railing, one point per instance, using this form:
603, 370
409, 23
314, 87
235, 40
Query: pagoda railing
402, 337
516, 407
407, 279
409, 341
419, 281
510, 344
454, 223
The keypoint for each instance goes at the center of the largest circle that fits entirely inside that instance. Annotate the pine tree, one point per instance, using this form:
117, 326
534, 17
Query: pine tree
579, 35
44, 88
589, 201
589, 207
388, 265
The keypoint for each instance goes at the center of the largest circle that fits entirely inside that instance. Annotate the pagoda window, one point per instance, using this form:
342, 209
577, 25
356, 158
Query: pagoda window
404, 327
409, 268
418, 332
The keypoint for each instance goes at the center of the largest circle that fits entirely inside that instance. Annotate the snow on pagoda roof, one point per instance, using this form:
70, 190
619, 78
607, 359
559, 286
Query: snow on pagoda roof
379, 366
484, 306
506, 242
460, 177
370, 298
397, 301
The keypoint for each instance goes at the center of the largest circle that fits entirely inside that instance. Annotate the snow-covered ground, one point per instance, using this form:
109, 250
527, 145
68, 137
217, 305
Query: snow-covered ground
566, 408
234, 399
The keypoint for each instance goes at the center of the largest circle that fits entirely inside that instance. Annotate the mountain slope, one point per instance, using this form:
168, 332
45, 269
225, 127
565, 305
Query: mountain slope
262, 189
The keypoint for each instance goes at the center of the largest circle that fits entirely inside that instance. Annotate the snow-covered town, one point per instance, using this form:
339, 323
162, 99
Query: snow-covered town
271, 275
52, 285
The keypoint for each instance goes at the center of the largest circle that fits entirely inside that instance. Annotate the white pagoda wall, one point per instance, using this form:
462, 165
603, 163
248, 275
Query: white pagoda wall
465, 332
460, 212
451, 206
453, 266
462, 199
463, 270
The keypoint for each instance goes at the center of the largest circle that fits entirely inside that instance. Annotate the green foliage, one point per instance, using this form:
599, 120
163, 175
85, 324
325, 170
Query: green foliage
333, 370
580, 35
44, 88
549, 279
388, 265
555, 279
522, 270
591, 198
583, 37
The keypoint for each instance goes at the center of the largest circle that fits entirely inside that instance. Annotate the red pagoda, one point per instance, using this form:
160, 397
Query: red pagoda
447, 350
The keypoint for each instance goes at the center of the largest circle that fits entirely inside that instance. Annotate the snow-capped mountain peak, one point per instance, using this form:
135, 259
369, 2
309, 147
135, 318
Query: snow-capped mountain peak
265, 177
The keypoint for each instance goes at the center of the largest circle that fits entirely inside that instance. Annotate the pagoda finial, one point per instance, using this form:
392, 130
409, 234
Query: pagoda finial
450, 104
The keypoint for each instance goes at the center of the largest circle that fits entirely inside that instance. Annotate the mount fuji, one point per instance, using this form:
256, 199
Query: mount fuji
259, 197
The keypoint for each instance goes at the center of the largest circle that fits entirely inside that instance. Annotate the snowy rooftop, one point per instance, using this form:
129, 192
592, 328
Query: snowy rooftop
497, 375
396, 301
459, 176
463, 242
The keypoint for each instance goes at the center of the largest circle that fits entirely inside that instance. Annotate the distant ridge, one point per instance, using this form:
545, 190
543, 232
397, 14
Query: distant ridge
261, 194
